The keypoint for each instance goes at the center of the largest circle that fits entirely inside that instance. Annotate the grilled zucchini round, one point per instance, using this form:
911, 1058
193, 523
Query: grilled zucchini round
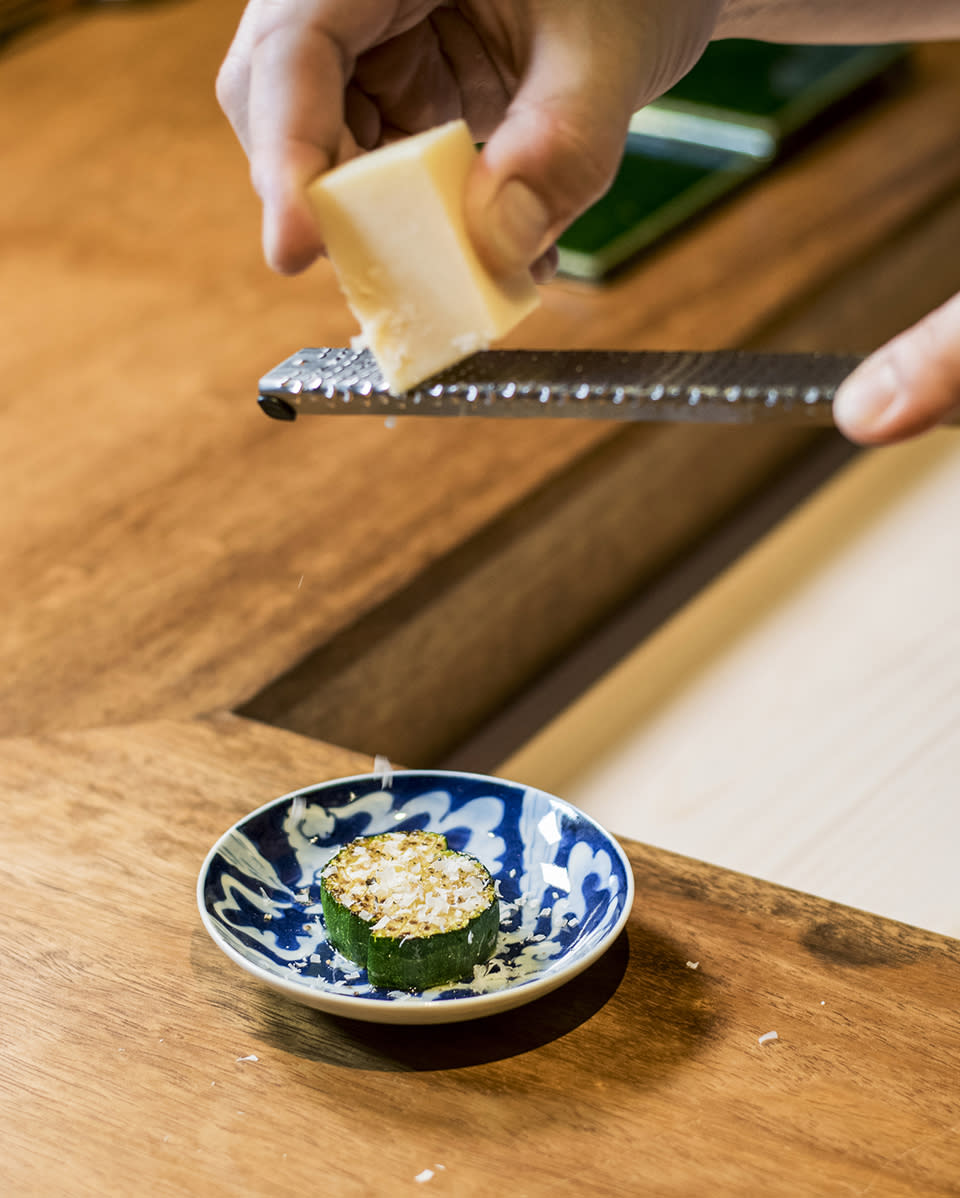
408, 908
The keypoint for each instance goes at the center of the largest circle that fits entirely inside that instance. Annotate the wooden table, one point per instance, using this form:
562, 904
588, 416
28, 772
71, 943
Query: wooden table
166, 553
128, 1043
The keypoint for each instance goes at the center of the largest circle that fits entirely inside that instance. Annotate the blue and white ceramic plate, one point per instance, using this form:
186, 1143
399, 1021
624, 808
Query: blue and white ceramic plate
565, 886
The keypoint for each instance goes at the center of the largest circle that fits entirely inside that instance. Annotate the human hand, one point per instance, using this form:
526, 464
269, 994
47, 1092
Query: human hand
908, 386
549, 85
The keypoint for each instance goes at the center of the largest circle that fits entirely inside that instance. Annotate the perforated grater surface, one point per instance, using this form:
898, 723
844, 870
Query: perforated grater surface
727, 386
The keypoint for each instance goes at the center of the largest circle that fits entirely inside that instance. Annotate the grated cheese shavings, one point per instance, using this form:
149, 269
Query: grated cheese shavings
404, 885
382, 766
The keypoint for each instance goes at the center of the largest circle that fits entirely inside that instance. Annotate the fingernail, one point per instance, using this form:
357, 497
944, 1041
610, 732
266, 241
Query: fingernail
867, 400
519, 226
269, 234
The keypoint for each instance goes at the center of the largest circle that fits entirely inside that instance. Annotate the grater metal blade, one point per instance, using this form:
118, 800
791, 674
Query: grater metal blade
721, 386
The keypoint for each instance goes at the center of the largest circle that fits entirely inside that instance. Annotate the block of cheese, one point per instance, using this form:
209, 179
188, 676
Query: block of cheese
394, 227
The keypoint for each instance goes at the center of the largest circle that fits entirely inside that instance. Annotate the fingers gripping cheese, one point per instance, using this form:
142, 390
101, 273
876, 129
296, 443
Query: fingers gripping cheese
394, 227
408, 908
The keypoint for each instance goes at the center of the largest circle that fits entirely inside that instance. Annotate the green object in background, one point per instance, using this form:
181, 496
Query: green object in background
658, 187
721, 125
783, 84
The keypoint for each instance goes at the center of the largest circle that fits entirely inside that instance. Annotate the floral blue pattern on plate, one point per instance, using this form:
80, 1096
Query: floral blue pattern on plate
565, 886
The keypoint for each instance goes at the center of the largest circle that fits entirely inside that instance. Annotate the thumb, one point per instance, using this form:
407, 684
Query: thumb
908, 386
555, 152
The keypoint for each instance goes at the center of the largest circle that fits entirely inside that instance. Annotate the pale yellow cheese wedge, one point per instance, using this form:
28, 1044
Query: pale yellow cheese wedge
394, 228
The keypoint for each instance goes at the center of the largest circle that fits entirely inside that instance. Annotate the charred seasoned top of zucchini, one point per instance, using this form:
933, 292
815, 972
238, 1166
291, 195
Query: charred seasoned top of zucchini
408, 883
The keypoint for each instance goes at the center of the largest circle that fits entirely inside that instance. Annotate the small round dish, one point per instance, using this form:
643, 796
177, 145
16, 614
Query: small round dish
565, 887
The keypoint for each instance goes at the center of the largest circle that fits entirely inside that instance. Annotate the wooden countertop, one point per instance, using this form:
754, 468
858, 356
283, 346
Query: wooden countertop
167, 551
128, 1036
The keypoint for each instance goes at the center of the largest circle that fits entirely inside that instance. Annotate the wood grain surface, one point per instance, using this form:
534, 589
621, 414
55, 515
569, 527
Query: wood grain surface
126, 1054
167, 551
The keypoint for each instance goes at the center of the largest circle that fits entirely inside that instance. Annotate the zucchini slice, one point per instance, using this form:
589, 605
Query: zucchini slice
409, 909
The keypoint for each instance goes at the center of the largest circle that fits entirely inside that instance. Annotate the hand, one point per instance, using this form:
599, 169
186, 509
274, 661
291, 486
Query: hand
550, 85
908, 386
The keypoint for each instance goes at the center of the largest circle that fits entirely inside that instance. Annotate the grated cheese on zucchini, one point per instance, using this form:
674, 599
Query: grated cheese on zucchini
409, 909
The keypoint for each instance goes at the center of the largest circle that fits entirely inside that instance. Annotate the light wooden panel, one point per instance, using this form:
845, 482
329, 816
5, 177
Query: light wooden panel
800, 720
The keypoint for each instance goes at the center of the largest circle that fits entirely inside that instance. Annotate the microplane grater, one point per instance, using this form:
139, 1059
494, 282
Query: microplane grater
720, 386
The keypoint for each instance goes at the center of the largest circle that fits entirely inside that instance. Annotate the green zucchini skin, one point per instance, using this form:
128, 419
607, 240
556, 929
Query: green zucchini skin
419, 962
412, 961
348, 933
